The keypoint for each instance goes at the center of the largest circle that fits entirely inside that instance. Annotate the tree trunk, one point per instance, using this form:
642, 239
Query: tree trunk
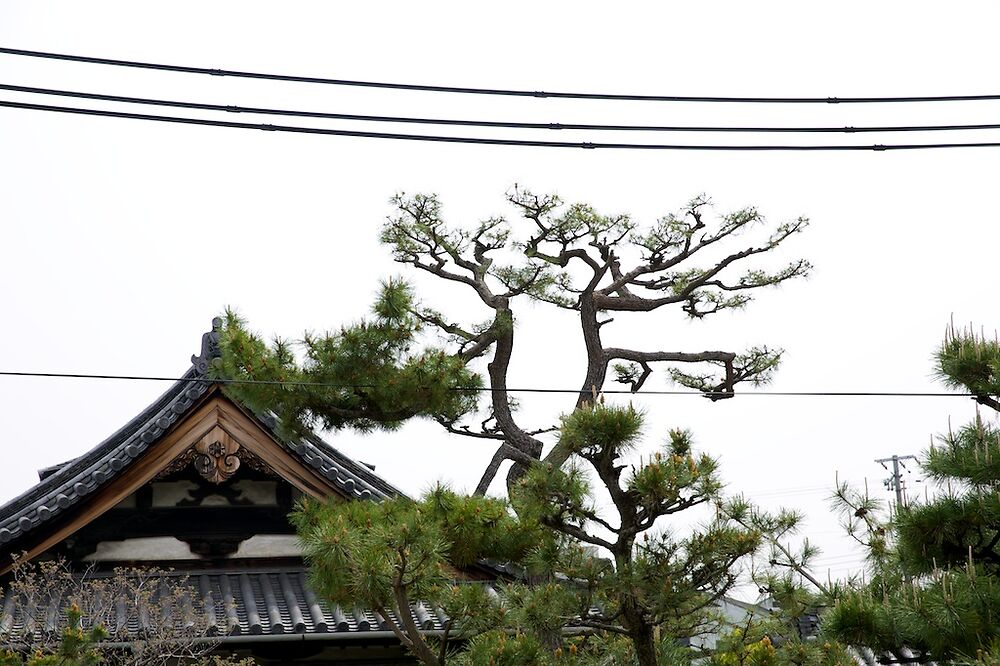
597, 369
640, 631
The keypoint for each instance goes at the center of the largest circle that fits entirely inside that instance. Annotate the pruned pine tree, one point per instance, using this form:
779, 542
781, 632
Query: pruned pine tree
933, 590
615, 575
570, 257
656, 587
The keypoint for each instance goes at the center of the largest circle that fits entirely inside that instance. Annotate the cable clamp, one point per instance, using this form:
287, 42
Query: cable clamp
850, 128
234, 109
217, 72
832, 100
587, 145
879, 146
555, 126
539, 93
267, 127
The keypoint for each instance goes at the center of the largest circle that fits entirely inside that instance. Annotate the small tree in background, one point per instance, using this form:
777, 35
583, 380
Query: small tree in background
934, 588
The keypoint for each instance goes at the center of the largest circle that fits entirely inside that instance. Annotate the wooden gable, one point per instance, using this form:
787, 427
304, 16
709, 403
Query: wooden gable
196, 439
216, 440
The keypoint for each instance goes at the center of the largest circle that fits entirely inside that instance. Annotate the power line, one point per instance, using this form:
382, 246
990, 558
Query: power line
601, 127
491, 141
492, 91
483, 389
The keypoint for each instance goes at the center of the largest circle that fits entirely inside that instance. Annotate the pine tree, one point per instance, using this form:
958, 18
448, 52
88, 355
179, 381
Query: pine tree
654, 589
934, 589
570, 257
376, 373
656, 586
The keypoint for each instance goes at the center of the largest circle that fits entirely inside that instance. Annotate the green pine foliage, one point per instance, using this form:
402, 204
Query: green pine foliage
361, 551
933, 593
371, 374
389, 555
655, 584
970, 362
765, 642
653, 589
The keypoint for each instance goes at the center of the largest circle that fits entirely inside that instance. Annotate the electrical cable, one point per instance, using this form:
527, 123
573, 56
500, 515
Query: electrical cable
491, 141
483, 389
488, 123
492, 91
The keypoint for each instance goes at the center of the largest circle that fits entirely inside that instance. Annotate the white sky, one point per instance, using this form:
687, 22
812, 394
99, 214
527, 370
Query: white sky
122, 239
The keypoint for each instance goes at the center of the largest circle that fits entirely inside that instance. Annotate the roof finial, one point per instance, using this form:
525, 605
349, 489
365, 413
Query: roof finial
209, 348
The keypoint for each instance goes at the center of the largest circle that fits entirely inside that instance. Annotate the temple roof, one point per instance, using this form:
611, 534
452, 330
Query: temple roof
65, 486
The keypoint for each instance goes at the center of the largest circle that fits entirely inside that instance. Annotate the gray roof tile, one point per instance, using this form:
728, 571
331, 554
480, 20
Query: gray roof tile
231, 603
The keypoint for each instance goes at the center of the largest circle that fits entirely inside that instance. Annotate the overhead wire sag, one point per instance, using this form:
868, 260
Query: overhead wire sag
491, 141
602, 127
491, 91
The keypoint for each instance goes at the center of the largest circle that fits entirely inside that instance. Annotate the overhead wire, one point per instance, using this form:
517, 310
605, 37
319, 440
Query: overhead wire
601, 127
489, 140
486, 389
492, 91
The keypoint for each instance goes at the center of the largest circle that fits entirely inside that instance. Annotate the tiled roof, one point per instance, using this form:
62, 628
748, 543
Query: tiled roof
59, 490
232, 603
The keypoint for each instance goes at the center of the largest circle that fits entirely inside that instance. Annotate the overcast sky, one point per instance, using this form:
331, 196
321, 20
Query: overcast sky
121, 239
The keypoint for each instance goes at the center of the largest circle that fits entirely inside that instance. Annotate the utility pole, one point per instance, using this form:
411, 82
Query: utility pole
894, 482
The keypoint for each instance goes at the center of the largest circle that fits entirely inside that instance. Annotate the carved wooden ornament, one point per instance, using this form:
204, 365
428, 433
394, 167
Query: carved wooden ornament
217, 456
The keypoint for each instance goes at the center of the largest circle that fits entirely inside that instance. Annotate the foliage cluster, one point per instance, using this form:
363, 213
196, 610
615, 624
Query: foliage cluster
933, 593
367, 375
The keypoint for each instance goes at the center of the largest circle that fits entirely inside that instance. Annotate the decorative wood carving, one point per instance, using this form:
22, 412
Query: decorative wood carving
179, 463
252, 461
218, 457
246, 457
